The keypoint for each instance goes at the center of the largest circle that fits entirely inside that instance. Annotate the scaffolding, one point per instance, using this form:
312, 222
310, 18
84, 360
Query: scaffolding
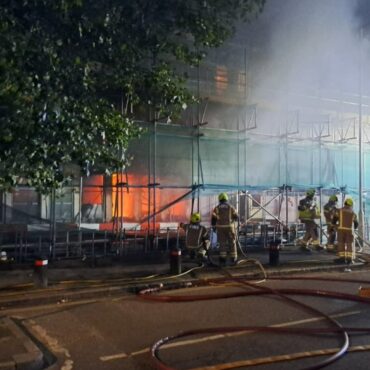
178, 169
265, 159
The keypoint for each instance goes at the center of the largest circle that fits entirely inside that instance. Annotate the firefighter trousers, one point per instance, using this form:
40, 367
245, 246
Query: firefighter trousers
345, 245
332, 234
311, 232
200, 251
227, 240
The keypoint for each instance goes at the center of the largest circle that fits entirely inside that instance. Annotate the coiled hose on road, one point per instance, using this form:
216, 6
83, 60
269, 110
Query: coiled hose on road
284, 294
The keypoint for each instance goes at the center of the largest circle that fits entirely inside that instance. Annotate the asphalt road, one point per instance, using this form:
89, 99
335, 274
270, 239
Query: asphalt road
117, 333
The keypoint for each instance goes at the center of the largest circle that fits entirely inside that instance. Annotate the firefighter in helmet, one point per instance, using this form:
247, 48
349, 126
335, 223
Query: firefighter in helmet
345, 219
196, 238
308, 212
223, 217
330, 209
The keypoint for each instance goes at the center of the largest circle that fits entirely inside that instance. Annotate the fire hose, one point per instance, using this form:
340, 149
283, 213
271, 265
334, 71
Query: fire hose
284, 294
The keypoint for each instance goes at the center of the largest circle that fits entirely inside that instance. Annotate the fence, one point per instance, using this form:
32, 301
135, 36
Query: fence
24, 246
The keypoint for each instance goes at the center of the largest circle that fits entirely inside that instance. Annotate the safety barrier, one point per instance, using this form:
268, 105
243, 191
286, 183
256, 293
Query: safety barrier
24, 246
261, 234
73, 244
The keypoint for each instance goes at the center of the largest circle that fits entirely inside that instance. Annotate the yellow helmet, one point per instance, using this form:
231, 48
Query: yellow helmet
195, 217
348, 202
333, 198
223, 197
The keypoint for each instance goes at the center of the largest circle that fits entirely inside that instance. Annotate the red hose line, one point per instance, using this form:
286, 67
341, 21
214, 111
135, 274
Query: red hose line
336, 356
223, 280
225, 330
147, 294
314, 278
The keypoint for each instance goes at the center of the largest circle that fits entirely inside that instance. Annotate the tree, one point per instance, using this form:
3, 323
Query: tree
74, 74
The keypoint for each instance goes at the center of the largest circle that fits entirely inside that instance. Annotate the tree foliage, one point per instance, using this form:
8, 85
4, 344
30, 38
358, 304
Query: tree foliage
73, 73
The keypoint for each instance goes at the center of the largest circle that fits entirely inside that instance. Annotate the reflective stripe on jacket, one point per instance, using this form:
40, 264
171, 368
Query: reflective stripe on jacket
346, 218
307, 210
196, 234
223, 215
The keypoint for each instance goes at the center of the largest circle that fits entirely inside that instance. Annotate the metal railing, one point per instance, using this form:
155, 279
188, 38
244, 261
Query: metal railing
24, 246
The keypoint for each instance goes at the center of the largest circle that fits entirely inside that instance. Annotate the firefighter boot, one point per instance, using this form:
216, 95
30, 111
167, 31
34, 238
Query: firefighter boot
303, 245
202, 257
316, 245
330, 248
192, 254
232, 261
339, 260
222, 261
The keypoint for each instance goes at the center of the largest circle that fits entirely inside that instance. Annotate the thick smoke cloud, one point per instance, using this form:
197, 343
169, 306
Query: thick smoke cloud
312, 55
362, 13
303, 55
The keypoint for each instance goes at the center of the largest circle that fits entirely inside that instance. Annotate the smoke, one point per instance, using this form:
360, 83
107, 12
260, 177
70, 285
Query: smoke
298, 55
363, 14
310, 60
306, 64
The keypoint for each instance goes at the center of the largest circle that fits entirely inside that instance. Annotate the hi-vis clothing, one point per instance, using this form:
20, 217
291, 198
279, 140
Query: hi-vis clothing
345, 219
196, 239
223, 217
308, 212
330, 210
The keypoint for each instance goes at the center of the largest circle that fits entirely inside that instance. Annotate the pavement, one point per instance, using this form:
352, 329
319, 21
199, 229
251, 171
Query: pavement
72, 281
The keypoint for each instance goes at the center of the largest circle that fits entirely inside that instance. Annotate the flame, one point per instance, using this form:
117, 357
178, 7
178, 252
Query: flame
221, 79
134, 204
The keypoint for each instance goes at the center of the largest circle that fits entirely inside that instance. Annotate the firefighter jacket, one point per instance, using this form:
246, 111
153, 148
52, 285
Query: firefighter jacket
329, 211
344, 218
224, 215
307, 210
196, 235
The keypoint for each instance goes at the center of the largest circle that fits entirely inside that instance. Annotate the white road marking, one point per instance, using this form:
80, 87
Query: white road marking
281, 358
113, 357
313, 319
220, 336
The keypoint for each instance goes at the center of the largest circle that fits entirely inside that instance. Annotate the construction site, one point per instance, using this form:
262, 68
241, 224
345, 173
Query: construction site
232, 235
258, 133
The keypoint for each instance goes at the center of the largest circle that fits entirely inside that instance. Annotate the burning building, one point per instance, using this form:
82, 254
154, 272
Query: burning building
282, 109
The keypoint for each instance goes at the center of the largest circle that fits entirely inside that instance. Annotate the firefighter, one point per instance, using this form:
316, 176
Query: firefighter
344, 218
196, 238
308, 212
223, 217
330, 209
